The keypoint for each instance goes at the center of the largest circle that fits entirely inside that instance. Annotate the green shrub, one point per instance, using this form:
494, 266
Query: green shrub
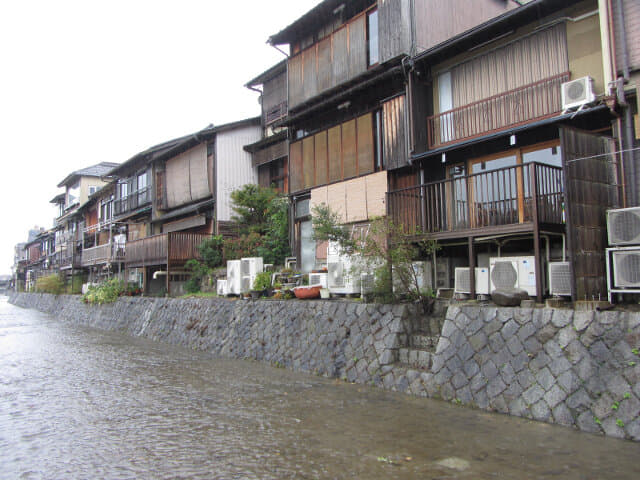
107, 292
50, 284
262, 281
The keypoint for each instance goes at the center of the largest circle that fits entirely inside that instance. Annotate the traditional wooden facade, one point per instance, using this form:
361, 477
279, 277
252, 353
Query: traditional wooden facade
494, 163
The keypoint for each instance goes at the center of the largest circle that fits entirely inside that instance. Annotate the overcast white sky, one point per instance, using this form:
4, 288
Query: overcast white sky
83, 82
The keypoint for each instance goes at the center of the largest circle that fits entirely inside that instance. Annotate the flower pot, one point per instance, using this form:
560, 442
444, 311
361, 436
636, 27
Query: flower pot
307, 291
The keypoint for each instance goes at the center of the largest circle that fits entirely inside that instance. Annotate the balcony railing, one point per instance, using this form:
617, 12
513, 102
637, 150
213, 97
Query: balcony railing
507, 196
176, 247
107, 253
275, 113
132, 201
522, 105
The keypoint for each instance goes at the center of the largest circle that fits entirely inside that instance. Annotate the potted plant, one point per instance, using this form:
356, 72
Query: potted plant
261, 285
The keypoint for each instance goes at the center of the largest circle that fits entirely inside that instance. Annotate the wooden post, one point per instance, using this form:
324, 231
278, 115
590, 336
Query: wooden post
168, 284
536, 232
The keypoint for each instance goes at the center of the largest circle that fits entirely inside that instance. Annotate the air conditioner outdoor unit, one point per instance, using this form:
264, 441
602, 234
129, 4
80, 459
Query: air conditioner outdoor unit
341, 277
577, 93
423, 272
221, 288
234, 277
513, 272
367, 283
318, 279
560, 279
252, 266
626, 268
623, 226
463, 281
246, 284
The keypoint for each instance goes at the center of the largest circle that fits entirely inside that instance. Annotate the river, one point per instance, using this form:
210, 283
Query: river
80, 403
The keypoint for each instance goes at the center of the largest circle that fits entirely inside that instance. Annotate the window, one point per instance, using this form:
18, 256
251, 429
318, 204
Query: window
93, 189
73, 195
373, 49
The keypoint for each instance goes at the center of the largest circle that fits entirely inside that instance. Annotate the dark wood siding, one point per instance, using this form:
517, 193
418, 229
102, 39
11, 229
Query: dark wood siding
322, 173
394, 139
394, 26
349, 149
295, 159
631, 19
270, 153
335, 153
366, 154
589, 191
308, 162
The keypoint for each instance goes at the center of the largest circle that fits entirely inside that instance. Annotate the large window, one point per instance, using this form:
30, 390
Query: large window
73, 195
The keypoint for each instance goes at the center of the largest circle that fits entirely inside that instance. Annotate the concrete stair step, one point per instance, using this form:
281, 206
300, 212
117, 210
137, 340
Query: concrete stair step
415, 358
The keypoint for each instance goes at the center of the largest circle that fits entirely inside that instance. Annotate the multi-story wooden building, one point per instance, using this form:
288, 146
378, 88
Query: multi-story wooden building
175, 194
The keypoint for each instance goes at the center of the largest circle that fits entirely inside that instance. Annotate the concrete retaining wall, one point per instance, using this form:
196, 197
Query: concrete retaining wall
578, 369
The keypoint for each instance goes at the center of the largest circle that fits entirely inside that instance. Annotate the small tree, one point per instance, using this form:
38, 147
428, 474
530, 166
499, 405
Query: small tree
385, 250
251, 204
211, 252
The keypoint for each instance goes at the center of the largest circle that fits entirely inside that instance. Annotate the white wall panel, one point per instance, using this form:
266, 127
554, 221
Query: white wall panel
233, 166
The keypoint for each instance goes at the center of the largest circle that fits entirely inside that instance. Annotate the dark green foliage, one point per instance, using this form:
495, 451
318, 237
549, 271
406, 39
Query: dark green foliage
50, 284
246, 245
211, 251
251, 205
275, 247
262, 281
107, 292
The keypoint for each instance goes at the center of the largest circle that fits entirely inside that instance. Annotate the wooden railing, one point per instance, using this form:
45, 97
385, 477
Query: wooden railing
109, 252
519, 106
158, 249
506, 196
132, 201
275, 113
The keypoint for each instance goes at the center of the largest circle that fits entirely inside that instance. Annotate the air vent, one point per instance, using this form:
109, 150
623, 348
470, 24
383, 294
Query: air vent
626, 268
577, 93
623, 226
560, 278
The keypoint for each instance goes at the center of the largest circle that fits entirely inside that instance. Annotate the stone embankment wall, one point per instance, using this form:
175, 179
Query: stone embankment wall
577, 369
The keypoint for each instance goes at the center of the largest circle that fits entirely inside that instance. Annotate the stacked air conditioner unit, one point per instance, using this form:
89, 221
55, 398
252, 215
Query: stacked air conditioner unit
577, 93
319, 279
513, 272
560, 279
250, 267
221, 288
463, 281
623, 227
234, 277
422, 275
342, 277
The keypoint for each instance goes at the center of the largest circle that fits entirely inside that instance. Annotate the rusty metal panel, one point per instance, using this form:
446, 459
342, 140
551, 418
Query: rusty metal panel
366, 151
335, 153
309, 73
308, 163
296, 84
340, 61
295, 161
349, 167
394, 144
358, 46
590, 190
324, 65
321, 155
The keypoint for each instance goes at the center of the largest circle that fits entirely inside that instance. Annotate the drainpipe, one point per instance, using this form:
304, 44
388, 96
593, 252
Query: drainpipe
605, 39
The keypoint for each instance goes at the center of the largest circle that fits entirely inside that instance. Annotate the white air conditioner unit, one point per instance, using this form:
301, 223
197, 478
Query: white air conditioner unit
560, 279
463, 281
367, 283
234, 277
577, 93
252, 266
221, 288
423, 272
246, 284
626, 268
341, 277
623, 226
513, 272
318, 279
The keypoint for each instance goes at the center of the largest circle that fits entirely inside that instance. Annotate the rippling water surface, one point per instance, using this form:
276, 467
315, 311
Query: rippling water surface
82, 403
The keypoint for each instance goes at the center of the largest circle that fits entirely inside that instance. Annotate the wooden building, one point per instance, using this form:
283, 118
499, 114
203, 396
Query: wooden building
497, 168
173, 195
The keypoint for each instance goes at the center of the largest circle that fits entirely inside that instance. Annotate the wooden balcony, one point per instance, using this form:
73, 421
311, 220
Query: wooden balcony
504, 200
174, 248
102, 254
132, 201
520, 106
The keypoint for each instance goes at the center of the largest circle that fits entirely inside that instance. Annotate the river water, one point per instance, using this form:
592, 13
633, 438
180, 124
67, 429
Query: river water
79, 403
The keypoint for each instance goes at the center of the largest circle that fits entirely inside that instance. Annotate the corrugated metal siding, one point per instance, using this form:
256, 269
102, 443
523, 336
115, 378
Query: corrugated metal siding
394, 144
589, 191
532, 58
631, 19
233, 166
439, 20
394, 26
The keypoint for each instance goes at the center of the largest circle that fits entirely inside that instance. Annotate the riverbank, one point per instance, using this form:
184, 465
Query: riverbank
579, 369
